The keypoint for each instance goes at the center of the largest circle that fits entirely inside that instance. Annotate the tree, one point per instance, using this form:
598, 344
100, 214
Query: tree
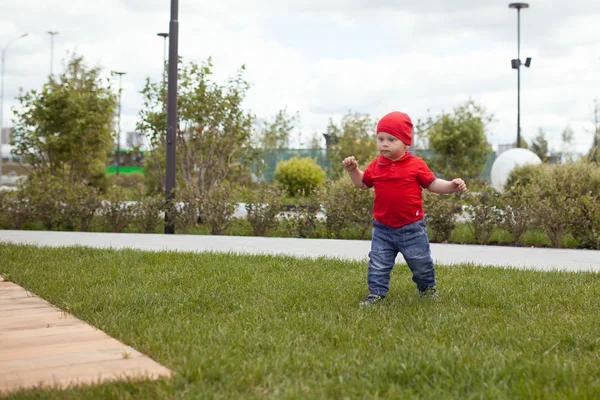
567, 136
316, 141
66, 128
275, 134
354, 137
458, 141
594, 154
540, 146
214, 135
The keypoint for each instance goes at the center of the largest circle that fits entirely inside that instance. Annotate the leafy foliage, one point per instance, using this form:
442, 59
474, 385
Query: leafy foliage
218, 209
65, 129
517, 205
275, 134
484, 212
540, 146
299, 174
458, 140
263, 207
440, 215
214, 135
355, 136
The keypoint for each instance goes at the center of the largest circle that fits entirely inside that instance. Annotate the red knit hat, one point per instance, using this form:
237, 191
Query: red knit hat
397, 124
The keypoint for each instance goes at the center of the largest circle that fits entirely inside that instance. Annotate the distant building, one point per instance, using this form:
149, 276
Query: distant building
134, 139
6, 135
503, 147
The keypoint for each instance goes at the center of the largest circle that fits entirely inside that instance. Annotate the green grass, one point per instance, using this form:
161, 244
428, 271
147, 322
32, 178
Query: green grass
233, 326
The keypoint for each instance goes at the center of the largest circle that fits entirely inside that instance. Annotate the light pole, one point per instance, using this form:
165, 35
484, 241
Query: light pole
2, 93
164, 35
171, 114
52, 34
516, 64
118, 154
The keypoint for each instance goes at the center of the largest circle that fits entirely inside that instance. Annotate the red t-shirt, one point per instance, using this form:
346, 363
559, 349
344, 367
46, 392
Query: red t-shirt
398, 185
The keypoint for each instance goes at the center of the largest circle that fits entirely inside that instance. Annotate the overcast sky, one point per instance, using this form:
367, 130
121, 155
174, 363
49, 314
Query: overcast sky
321, 58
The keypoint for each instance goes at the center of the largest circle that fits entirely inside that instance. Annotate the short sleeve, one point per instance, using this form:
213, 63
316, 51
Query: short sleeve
368, 173
424, 175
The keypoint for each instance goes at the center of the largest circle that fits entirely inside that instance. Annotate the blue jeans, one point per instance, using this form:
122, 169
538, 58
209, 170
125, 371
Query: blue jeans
412, 241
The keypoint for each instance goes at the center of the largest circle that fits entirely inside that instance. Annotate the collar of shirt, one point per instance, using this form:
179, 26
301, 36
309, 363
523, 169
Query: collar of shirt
383, 160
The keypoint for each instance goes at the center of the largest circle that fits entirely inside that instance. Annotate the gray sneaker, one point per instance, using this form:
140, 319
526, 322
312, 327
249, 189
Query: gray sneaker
428, 292
372, 299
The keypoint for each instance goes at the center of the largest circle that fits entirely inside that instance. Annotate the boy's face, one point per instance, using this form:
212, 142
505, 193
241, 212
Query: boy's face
390, 146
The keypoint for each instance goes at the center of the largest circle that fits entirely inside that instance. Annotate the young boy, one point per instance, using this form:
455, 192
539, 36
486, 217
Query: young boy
397, 177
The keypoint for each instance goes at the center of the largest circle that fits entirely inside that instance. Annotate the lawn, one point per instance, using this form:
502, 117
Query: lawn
233, 326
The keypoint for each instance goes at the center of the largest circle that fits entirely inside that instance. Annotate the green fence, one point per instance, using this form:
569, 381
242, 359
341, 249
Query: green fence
124, 169
272, 157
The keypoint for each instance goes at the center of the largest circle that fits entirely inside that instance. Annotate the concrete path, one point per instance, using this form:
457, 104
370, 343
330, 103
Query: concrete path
517, 257
42, 345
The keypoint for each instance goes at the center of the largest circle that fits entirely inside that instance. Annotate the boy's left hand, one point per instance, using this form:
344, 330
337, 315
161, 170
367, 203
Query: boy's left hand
459, 185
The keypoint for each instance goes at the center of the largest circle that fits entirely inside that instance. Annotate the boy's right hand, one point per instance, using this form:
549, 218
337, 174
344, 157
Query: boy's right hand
350, 163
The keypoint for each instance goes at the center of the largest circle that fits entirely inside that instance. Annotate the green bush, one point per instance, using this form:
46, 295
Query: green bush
118, 213
130, 180
483, 208
346, 207
560, 189
524, 175
440, 215
585, 224
46, 197
263, 206
80, 205
518, 209
147, 211
15, 209
299, 174
302, 222
185, 208
217, 210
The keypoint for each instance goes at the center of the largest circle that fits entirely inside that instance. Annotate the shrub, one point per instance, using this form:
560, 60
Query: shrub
15, 209
147, 211
440, 215
218, 209
80, 205
346, 205
118, 213
337, 210
131, 180
263, 207
518, 209
524, 175
559, 189
585, 224
303, 221
185, 208
299, 175
484, 213
46, 197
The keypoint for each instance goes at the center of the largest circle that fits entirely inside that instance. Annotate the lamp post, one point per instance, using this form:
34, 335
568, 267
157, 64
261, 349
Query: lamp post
118, 154
164, 35
516, 64
171, 114
2, 93
52, 34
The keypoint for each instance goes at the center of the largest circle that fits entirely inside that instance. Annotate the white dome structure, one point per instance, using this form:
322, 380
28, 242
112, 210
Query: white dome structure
507, 162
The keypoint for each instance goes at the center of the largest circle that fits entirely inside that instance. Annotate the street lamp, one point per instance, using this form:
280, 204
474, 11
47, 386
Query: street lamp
164, 36
171, 114
52, 34
516, 64
2, 93
118, 155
